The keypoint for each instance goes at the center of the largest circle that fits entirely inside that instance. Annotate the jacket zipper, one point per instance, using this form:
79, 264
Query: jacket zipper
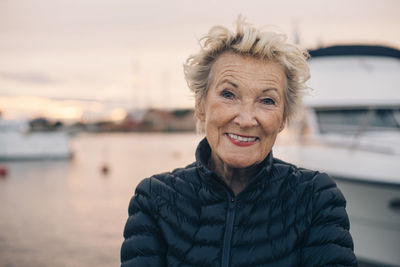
230, 218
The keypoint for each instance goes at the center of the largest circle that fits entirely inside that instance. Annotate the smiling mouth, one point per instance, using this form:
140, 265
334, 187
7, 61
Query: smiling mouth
242, 138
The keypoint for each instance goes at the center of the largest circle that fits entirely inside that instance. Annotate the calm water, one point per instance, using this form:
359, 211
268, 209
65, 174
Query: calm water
67, 213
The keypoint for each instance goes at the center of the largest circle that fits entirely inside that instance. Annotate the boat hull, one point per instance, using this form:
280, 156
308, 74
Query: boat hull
34, 146
374, 213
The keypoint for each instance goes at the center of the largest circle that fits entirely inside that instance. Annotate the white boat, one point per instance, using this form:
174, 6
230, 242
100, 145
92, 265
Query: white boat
351, 130
18, 143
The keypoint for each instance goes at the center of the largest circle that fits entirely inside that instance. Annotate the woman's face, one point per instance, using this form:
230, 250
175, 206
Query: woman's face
243, 109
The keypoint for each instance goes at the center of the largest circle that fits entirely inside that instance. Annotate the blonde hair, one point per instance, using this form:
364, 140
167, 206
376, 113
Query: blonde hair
249, 41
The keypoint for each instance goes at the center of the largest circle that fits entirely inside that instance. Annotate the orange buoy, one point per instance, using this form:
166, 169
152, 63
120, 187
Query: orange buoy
105, 169
3, 171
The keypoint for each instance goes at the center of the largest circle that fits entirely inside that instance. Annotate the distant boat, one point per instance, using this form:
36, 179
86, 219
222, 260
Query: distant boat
18, 143
353, 133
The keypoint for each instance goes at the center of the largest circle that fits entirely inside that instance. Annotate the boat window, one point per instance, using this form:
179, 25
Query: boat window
353, 121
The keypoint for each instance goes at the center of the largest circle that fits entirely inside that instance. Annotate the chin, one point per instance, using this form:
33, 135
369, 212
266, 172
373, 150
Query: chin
240, 163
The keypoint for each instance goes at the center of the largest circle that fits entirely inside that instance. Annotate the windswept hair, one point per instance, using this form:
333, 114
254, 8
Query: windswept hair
249, 41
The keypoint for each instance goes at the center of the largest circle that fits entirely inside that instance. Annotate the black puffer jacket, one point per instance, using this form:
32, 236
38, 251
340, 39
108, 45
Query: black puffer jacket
285, 216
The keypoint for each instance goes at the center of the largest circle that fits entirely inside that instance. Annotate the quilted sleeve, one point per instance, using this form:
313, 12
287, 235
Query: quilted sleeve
328, 242
143, 244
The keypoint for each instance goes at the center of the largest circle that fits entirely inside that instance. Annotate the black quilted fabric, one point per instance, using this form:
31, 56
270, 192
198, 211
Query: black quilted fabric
286, 216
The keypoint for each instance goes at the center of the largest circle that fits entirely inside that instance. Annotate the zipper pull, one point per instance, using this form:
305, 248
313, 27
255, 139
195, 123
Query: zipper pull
232, 203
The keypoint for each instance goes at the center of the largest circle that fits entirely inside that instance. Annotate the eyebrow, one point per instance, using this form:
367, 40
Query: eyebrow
227, 81
236, 86
270, 89
274, 90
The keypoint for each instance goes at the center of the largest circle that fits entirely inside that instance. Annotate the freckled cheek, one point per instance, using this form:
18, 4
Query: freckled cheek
219, 115
214, 124
271, 123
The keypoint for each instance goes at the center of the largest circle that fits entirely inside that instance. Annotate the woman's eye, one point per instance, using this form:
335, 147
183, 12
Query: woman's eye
268, 101
227, 94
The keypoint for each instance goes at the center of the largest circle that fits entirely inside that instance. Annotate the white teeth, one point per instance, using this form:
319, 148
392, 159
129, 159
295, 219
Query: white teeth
241, 138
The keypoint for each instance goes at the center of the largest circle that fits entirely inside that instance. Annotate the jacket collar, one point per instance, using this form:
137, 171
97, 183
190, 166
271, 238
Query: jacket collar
203, 153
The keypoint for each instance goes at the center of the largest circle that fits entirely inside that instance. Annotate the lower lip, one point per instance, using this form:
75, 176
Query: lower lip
240, 143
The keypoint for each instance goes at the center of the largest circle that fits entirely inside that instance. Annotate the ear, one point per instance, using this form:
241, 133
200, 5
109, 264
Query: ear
199, 111
283, 124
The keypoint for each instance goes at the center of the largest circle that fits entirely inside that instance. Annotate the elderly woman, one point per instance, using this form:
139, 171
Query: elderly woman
237, 205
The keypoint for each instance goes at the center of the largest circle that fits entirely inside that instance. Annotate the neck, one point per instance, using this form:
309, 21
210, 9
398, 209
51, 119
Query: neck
235, 178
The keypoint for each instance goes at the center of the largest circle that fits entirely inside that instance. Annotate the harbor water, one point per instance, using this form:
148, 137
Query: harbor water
72, 213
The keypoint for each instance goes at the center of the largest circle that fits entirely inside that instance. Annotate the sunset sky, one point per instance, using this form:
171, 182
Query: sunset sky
86, 59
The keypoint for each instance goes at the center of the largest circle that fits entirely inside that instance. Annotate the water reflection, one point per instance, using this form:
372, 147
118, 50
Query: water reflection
68, 213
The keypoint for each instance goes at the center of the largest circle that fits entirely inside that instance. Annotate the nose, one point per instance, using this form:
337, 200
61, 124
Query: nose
245, 116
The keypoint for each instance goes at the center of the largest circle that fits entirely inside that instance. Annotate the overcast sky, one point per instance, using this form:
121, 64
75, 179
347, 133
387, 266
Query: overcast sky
130, 53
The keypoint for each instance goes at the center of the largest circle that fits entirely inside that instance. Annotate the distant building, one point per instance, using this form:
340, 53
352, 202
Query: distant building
170, 121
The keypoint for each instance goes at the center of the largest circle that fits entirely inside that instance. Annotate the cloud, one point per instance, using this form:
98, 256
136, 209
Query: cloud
28, 77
